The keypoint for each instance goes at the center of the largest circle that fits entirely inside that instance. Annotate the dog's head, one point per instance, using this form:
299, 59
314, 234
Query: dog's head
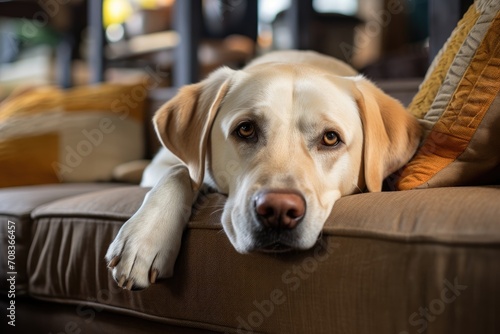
284, 143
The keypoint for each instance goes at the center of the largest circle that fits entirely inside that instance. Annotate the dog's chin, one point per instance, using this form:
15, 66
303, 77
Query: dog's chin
267, 246
271, 246
278, 241
252, 237
276, 247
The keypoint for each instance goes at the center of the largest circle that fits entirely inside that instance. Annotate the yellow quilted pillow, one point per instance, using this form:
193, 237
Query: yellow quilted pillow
459, 104
48, 135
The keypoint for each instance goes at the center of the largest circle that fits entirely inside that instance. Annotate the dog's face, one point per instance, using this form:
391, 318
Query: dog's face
277, 133
284, 143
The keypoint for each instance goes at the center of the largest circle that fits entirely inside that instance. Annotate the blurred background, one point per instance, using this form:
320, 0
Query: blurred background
51, 41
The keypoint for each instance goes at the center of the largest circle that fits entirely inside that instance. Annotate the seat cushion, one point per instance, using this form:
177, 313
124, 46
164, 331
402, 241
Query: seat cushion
16, 205
382, 258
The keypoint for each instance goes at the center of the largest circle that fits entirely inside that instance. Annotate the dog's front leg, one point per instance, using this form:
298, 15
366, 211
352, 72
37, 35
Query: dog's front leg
147, 245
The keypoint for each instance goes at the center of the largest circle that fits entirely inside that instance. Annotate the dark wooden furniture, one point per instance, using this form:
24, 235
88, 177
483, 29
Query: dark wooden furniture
443, 16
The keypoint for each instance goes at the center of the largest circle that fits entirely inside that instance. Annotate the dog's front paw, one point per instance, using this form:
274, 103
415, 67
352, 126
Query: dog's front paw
137, 257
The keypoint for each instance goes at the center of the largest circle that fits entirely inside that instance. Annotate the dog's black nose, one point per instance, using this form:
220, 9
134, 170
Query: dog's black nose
280, 209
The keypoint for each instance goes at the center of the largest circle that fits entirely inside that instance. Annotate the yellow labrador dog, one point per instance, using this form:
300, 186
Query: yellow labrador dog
283, 138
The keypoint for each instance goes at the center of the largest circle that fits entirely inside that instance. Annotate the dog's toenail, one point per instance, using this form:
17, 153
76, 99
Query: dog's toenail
154, 276
114, 261
121, 281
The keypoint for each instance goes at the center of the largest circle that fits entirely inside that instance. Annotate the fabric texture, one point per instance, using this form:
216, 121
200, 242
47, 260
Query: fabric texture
418, 242
459, 103
16, 205
48, 135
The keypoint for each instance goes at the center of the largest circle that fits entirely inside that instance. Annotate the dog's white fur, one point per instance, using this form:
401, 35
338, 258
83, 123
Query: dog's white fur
293, 98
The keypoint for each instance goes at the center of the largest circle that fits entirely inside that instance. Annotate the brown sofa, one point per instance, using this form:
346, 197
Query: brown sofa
418, 261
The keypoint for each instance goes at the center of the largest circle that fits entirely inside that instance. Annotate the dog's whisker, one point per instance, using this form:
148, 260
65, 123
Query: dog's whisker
203, 205
361, 191
217, 211
214, 206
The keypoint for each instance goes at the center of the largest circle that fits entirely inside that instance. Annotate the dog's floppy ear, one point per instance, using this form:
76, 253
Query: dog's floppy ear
391, 134
183, 124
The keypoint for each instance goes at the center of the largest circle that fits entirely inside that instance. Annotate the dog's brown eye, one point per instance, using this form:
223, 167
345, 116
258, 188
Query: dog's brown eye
246, 130
330, 138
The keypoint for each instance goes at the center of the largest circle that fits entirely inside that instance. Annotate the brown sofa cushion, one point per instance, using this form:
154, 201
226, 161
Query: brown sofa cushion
381, 260
16, 205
